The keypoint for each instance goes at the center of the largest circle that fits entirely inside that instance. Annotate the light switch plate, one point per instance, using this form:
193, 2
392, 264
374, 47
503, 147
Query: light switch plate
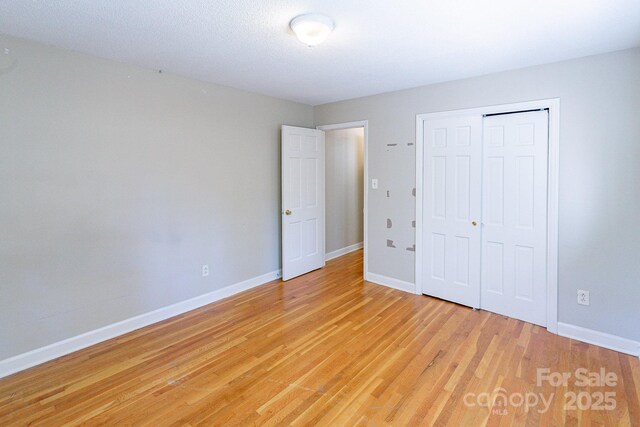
374, 184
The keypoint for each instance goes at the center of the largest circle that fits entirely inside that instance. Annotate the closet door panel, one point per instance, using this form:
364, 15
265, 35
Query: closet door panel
452, 209
514, 197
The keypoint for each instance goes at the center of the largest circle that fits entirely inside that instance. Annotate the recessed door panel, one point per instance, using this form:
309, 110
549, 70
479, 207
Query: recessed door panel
463, 136
494, 194
494, 261
524, 272
295, 183
462, 261
310, 182
294, 241
310, 239
494, 136
439, 187
525, 173
463, 188
438, 256
439, 138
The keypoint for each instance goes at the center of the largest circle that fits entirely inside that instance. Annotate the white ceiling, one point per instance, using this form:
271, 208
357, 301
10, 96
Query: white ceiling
377, 46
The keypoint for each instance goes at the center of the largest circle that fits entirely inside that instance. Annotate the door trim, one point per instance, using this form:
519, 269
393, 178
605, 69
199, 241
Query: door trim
553, 105
365, 224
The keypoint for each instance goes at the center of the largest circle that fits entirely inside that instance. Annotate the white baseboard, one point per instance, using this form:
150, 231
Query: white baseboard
401, 285
52, 351
343, 251
612, 342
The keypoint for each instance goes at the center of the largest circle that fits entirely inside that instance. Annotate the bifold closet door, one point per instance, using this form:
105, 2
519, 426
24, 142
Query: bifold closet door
452, 208
514, 232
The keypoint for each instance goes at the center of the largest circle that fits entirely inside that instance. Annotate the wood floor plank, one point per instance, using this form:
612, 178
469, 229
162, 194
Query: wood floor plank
326, 348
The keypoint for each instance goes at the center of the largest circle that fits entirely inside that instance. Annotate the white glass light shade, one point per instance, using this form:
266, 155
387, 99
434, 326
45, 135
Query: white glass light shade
311, 29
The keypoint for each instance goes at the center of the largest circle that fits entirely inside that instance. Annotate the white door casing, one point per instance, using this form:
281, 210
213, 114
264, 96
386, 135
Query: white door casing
303, 198
452, 209
514, 233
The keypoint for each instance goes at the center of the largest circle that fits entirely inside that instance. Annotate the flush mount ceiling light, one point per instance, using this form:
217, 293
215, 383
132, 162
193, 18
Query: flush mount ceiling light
312, 29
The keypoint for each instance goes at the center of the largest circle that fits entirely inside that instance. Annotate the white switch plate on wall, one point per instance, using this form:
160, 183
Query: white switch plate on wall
374, 183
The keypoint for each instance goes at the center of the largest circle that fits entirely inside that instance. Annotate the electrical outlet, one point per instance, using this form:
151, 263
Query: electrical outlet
205, 270
583, 297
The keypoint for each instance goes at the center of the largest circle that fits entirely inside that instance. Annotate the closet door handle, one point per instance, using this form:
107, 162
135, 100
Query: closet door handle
474, 223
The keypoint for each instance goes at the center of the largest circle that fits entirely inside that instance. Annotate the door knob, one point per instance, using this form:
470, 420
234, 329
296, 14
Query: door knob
474, 223
287, 212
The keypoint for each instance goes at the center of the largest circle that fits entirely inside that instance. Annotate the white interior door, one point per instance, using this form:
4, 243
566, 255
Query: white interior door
514, 232
452, 209
303, 214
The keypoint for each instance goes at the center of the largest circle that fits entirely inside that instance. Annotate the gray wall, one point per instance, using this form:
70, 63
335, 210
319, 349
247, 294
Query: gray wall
599, 174
344, 200
118, 183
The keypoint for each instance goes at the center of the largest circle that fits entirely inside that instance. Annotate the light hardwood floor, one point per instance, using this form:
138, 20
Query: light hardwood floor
323, 349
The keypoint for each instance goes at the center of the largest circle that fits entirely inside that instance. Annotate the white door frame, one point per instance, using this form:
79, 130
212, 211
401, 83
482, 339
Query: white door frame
349, 125
552, 195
